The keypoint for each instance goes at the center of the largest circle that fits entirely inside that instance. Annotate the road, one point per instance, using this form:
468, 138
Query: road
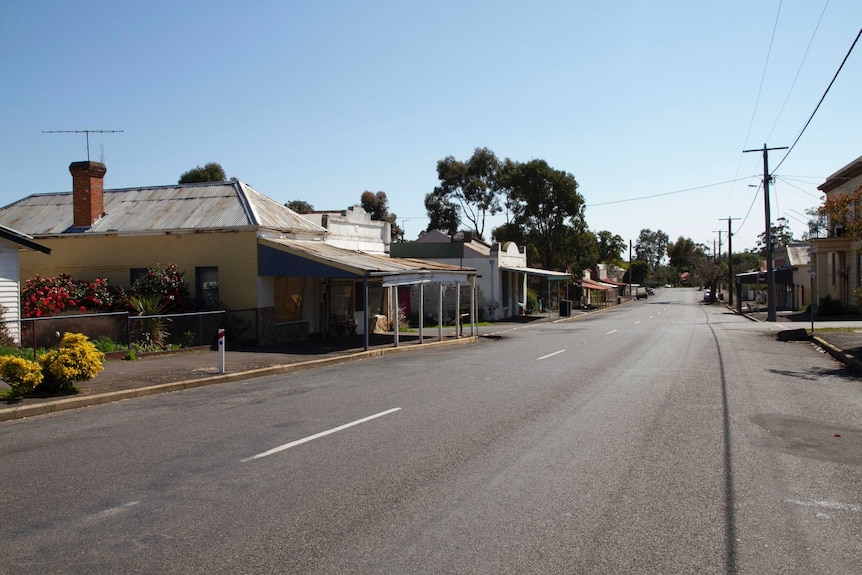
664, 436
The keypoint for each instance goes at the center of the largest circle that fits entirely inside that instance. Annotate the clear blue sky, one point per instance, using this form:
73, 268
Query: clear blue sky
319, 101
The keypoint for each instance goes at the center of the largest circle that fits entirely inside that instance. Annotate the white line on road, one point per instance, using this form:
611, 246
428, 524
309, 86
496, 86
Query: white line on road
110, 512
637, 322
549, 355
504, 331
833, 505
610, 332
286, 446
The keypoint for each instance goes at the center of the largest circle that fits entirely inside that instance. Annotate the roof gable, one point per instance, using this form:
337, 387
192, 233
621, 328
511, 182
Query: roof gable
843, 176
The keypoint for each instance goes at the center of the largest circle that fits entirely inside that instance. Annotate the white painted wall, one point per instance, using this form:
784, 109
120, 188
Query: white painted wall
353, 229
10, 288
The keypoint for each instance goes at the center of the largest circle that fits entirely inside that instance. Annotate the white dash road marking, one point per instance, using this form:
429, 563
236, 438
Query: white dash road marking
549, 355
110, 512
612, 331
637, 322
832, 505
286, 446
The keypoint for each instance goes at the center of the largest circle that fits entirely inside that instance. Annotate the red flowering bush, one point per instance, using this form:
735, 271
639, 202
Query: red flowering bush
170, 284
49, 296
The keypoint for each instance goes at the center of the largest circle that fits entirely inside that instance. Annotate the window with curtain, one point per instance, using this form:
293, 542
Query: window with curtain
206, 287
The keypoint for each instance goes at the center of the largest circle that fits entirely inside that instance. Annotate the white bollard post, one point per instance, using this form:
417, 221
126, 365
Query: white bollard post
221, 350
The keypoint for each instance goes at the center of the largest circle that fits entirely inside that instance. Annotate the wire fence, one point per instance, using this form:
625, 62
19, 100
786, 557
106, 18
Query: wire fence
127, 331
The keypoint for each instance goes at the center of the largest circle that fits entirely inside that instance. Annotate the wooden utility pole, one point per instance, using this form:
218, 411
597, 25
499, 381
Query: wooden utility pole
730, 283
770, 279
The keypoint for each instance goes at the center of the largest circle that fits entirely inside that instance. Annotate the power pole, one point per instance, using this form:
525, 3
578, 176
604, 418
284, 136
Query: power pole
718, 254
719, 232
730, 282
770, 280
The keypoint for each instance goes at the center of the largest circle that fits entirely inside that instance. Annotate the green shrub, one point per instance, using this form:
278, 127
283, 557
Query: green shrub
829, 306
105, 344
22, 375
532, 301
76, 360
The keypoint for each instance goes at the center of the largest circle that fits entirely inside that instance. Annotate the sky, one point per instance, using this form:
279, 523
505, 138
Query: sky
648, 104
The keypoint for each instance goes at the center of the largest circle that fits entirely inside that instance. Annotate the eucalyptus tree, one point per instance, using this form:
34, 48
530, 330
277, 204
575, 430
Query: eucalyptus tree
548, 209
211, 172
473, 185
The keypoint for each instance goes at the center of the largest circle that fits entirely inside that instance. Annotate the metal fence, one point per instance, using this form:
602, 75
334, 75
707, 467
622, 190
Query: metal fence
127, 330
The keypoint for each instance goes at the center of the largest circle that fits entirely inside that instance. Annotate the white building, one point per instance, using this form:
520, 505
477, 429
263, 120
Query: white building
501, 272
11, 242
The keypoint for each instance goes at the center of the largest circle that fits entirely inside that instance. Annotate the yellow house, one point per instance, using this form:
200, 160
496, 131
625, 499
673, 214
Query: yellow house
238, 249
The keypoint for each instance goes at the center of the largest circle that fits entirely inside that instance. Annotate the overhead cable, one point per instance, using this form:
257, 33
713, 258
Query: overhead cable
666, 193
798, 70
823, 97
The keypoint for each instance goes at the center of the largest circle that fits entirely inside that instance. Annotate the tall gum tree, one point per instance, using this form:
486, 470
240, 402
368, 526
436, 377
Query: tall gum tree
548, 208
473, 185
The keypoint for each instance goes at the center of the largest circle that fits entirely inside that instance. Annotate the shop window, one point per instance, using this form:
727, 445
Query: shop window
288, 299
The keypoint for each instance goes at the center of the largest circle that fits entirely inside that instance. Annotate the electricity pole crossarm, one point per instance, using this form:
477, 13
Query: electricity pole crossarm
770, 280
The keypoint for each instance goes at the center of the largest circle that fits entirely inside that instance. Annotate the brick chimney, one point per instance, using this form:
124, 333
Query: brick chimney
88, 192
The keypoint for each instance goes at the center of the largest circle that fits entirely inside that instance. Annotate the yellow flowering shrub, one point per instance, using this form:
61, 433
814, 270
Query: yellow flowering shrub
21, 374
77, 359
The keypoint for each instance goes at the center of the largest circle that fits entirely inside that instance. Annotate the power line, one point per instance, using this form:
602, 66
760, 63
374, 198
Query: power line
792, 185
748, 213
823, 97
757, 99
666, 193
798, 70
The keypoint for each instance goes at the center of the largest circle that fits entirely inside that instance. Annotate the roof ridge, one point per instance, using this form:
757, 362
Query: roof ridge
247, 204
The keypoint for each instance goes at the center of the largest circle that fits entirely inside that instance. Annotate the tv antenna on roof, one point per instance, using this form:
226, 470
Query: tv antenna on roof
87, 132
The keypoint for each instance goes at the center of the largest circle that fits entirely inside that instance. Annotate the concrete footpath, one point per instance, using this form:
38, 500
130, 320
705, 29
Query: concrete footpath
186, 369
841, 336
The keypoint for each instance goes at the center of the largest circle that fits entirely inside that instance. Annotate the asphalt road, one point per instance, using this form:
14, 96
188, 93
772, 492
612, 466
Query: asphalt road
664, 436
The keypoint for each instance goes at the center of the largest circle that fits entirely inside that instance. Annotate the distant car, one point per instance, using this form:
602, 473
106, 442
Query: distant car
706, 294
667, 285
640, 293
650, 291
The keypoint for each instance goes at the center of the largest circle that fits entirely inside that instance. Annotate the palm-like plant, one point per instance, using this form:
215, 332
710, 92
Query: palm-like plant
153, 329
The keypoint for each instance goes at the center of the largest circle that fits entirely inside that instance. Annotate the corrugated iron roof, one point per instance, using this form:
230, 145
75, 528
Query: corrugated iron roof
203, 206
376, 264
550, 274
